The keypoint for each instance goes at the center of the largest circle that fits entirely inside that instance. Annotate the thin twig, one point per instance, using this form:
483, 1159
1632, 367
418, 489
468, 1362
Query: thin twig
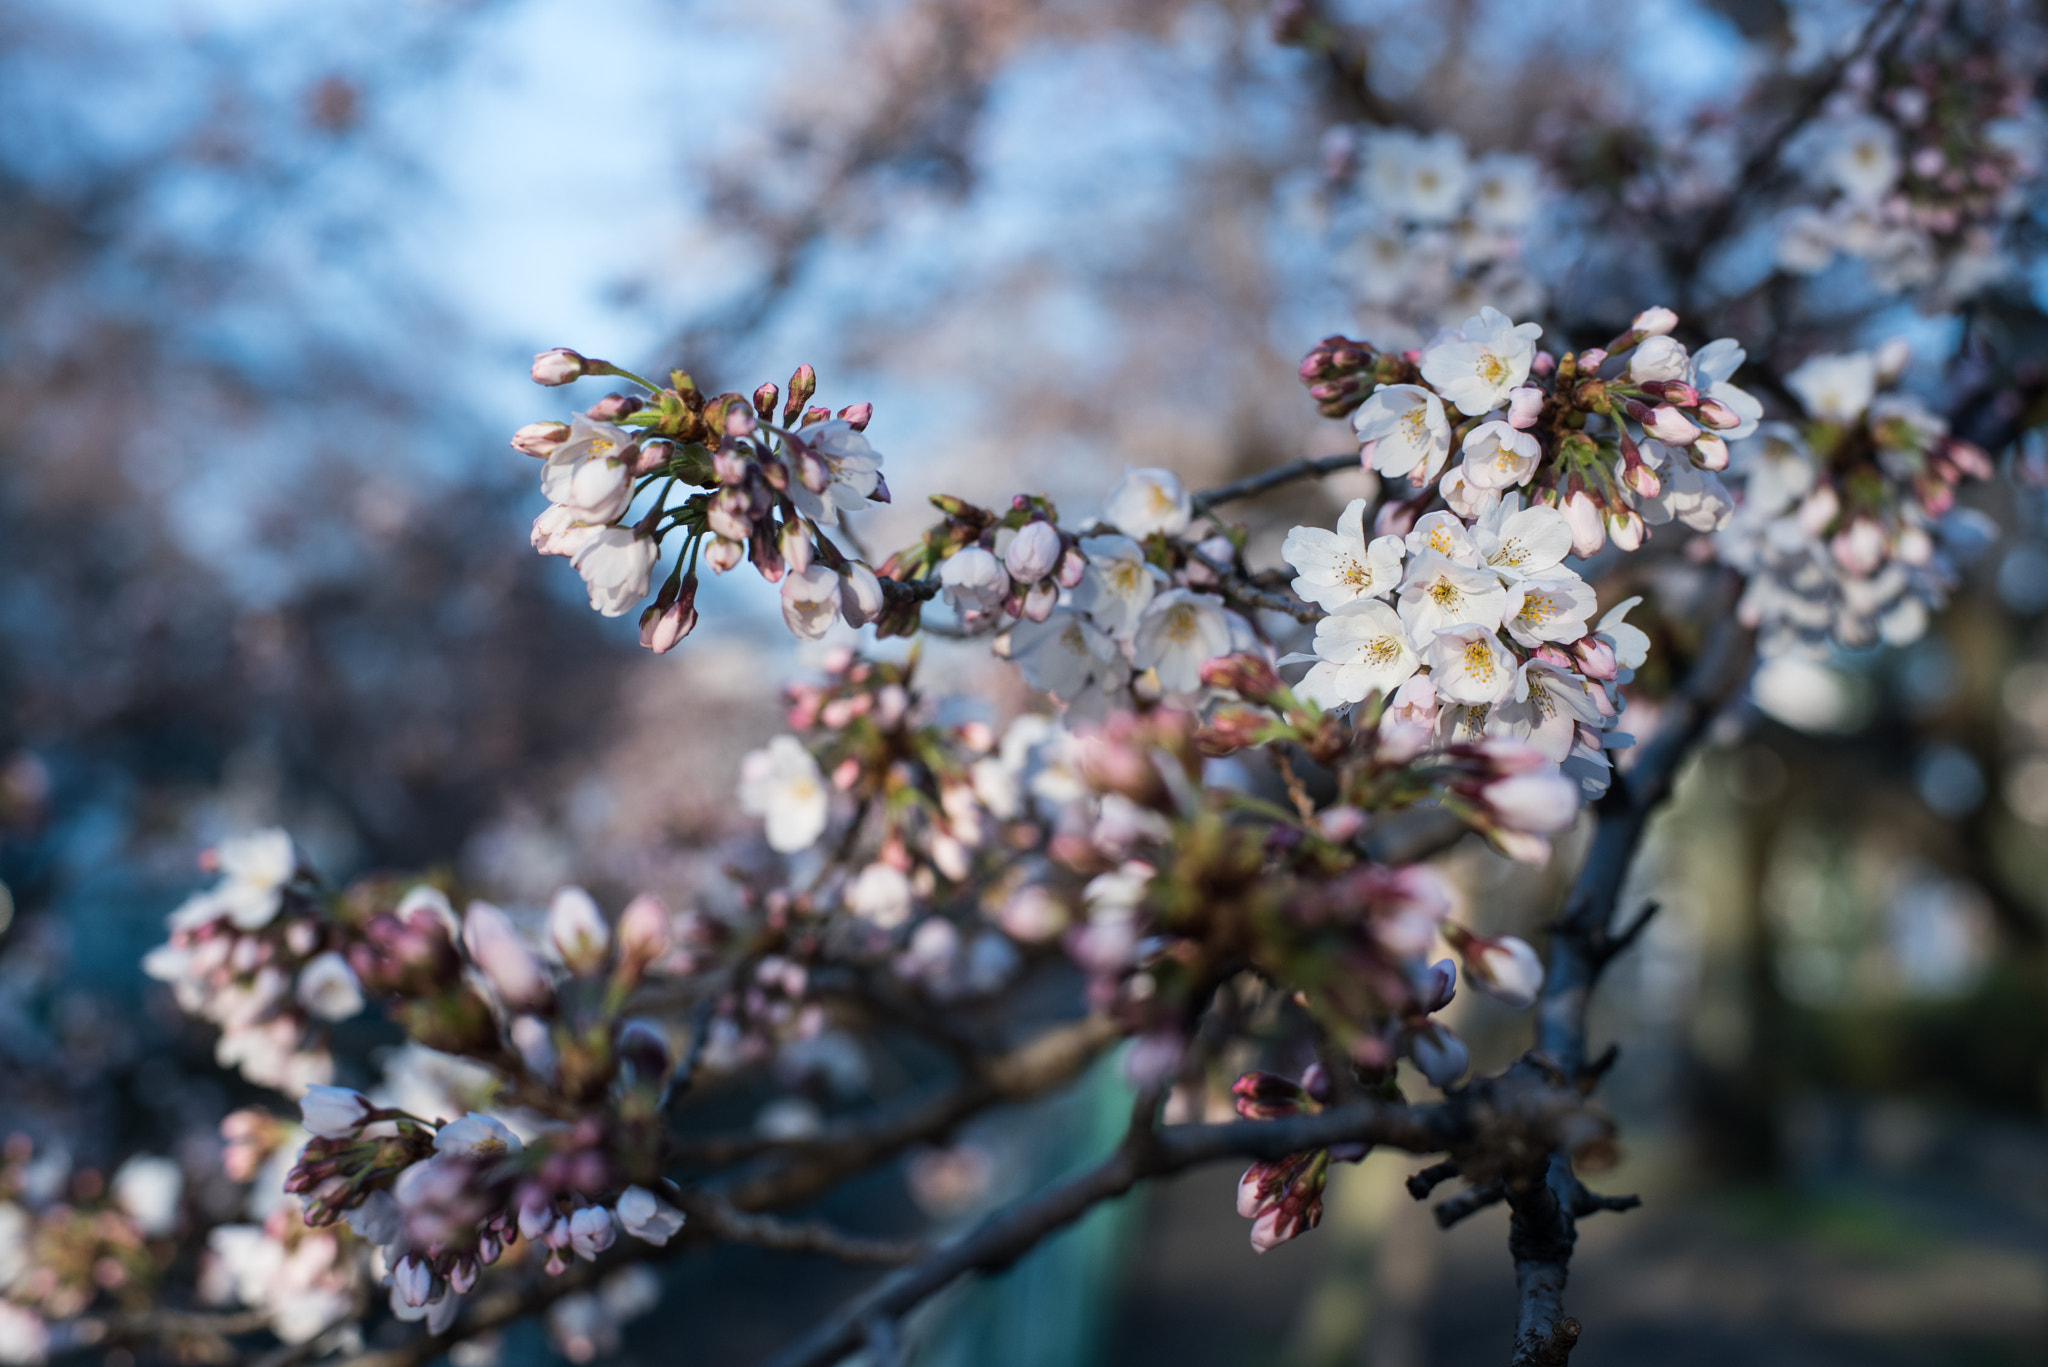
721, 1217
1310, 467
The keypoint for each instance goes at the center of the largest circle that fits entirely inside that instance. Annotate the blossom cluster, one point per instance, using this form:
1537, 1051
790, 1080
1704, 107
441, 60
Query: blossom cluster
1921, 163
763, 491
1425, 231
253, 955
70, 1241
1848, 529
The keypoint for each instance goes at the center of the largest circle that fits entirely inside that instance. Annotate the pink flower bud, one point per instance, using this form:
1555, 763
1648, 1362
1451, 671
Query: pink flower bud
612, 407
1595, 658
334, 1112
1503, 966
730, 514
857, 415
1670, 426
1654, 322
1439, 983
653, 456
581, 936
540, 439
560, 366
1639, 479
1718, 415
1582, 515
1033, 552
1539, 803
665, 623
1676, 392
1040, 600
1525, 405
729, 463
796, 545
1342, 825
643, 930
1625, 529
721, 553
1073, 566
1591, 359
1710, 453
507, 964
591, 1232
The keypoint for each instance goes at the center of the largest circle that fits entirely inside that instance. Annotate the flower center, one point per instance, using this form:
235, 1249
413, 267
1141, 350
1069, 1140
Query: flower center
1381, 650
1354, 574
1444, 593
1479, 661
1492, 368
1181, 621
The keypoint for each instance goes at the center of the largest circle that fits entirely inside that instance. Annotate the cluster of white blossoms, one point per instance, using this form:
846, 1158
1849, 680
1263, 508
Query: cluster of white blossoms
1127, 622
1848, 531
1427, 231
1918, 180
247, 955
1471, 630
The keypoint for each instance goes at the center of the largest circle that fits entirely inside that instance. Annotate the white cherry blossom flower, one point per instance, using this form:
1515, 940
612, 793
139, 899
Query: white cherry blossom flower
591, 1232
254, 871
974, 581
1858, 155
1466, 499
328, 989
591, 473
855, 469
1659, 358
616, 566
782, 784
476, 1135
811, 601
1117, 585
1498, 455
1416, 176
647, 1217
558, 532
881, 894
1515, 542
1836, 387
1505, 191
1359, 650
1182, 630
1469, 665
1694, 497
1148, 500
1545, 711
502, 955
1439, 593
1549, 607
1447, 535
1064, 653
1341, 567
1478, 366
1402, 429
148, 1188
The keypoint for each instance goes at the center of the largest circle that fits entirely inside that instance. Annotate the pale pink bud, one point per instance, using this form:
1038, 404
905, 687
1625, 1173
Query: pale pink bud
664, 624
740, 421
1073, 566
1591, 359
1582, 515
643, 929
1654, 322
412, 1281
1041, 600
591, 1232
810, 600
1342, 825
653, 456
1033, 553
730, 514
1670, 426
612, 407
581, 937
1439, 983
334, 1112
1710, 452
1641, 479
540, 439
796, 545
1525, 405
1625, 529
1595, 658
722, 554
1539, 803
1718, 415
860, 595
1503, 966
858, 415
560, 365
512, 969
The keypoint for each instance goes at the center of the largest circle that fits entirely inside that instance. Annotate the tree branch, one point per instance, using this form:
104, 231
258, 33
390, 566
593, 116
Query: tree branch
1311, 467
